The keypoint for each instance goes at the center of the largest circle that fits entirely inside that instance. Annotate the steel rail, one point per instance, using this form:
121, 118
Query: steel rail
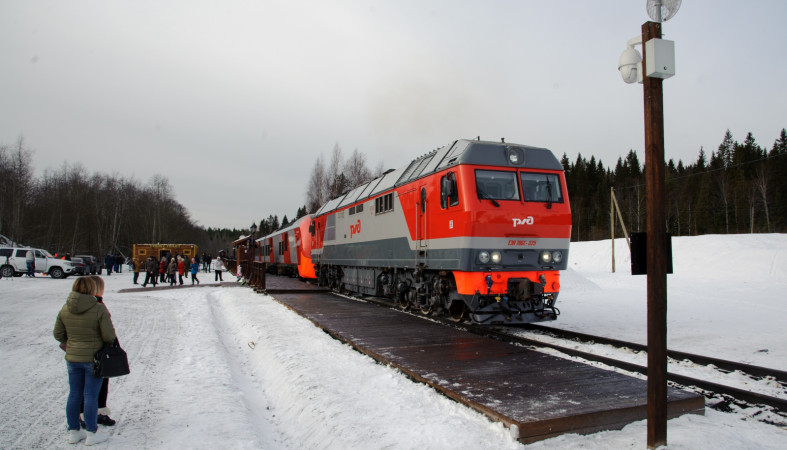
722, 364
778, 404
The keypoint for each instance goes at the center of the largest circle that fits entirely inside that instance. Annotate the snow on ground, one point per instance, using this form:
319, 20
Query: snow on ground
223, 367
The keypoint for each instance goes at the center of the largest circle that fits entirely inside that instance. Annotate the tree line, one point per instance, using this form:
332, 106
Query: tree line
70, 210
738, 188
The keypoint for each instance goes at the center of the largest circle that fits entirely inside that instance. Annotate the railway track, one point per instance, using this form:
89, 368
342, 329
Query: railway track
728, 394
720, 396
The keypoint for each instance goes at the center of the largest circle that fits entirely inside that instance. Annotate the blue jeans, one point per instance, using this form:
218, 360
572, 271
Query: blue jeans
31, 269
82, 384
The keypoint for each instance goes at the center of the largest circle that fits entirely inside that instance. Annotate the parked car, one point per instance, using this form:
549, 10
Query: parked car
80, 268
91, 262
13, 262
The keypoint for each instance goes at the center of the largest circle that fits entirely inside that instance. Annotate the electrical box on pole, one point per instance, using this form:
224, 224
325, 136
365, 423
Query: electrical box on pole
660, 62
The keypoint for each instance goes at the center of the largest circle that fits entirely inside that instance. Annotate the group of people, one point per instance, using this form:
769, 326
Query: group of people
113, 263
171, 269
82, 327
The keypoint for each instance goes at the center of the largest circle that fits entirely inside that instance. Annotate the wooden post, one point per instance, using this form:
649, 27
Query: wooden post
656, 245
612, 223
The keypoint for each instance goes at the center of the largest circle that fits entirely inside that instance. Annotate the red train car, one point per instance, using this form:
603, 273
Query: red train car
286, 251
475, 229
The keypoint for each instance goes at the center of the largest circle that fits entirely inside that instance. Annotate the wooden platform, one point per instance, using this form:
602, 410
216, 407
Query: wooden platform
536, 395
280, 285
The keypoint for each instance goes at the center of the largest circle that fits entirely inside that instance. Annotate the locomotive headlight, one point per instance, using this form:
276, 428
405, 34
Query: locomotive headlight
516, 156
496, 257
546, 257
483, 257
557, 256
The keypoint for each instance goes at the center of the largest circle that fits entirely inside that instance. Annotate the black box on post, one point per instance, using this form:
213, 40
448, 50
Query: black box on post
639, 253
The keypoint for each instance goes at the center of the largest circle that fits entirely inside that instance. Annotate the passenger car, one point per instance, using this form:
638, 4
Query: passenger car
13, 262
91, 263
80, 266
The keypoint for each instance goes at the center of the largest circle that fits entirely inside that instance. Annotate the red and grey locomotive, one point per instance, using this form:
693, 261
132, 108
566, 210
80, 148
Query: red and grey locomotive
475, 229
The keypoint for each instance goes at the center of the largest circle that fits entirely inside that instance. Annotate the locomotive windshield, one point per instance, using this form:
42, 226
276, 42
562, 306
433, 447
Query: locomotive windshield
541, 187
496, 185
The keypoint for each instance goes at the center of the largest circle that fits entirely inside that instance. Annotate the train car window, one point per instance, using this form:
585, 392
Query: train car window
330, 228
423, 200
541, 187
383, 204
449, 195
496, 185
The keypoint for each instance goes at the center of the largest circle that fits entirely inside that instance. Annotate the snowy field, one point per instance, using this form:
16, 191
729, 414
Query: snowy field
215, 367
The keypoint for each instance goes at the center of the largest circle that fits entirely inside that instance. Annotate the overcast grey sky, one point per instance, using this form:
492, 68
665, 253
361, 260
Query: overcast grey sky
234, 100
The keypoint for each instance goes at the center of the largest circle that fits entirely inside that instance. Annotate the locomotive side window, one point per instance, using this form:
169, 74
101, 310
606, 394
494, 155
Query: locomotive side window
496, 185
449, 195
383, 204
541, 187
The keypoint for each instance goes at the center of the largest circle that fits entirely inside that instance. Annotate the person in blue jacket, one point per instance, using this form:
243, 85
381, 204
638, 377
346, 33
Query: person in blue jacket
194, 270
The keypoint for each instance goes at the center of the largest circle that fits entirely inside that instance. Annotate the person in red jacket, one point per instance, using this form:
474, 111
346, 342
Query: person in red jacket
181, 269
162, 270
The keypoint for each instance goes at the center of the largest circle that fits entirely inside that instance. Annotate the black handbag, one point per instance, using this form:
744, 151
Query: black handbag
110, 361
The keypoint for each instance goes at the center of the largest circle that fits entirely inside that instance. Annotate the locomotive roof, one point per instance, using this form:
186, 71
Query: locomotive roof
462, 151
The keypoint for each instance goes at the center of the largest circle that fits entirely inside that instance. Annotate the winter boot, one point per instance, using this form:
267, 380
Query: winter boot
75, 436
103, 417
95, 438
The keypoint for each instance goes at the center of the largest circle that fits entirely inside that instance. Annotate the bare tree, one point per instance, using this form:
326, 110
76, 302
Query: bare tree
316, 194
356, 171
16, 187
160, 192
334, 179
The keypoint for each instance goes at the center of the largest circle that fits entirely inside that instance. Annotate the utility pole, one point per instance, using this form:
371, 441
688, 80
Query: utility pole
656, 248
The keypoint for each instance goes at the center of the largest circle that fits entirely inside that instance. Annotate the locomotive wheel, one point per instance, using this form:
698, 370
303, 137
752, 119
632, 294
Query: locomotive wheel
402, 302
457, 311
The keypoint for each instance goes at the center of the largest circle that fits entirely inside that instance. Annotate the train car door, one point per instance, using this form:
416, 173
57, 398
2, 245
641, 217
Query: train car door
421, 225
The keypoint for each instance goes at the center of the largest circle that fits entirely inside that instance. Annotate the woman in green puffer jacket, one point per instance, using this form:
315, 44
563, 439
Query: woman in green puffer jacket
83, 325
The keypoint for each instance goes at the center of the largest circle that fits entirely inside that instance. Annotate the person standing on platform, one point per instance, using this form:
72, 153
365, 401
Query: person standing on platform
103, 411
194, 270
218, 266
162, 269
109, 261
30, 260
83, 326
172, 270
137, 265
181, 269
151, 271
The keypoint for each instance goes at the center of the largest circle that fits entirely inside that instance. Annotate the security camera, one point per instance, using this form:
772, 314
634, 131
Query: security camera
629, 64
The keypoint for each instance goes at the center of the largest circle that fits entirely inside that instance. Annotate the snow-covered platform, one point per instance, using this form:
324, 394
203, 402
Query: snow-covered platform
536, 395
